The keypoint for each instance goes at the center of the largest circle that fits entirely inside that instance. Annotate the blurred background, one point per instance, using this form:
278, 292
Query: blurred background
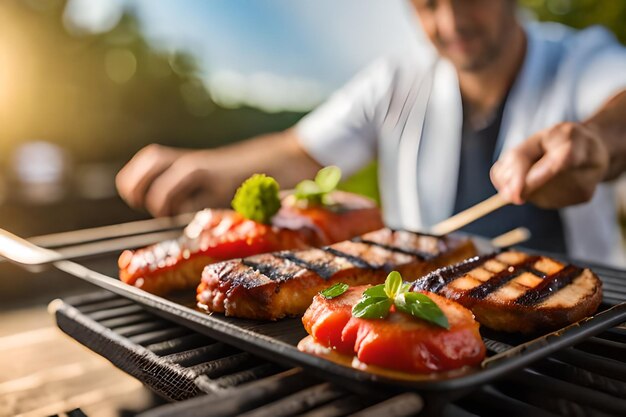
84, 84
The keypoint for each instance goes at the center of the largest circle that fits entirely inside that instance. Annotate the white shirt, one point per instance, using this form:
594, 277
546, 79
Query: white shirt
407, 113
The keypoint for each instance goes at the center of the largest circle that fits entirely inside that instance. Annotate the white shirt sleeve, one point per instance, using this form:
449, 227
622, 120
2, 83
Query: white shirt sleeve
603, 75
343, 131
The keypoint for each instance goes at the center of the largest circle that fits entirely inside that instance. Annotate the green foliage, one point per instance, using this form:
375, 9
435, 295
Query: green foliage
257, 198
582, 13
65, 89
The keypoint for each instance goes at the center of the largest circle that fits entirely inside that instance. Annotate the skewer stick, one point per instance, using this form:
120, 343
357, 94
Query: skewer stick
512, 237
468, 216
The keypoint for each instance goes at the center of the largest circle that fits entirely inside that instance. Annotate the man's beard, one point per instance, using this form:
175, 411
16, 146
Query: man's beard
489, 52
480, 61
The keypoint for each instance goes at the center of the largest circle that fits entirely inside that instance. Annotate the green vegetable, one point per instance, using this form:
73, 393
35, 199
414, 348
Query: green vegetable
372, 308
393, 284
334, 290
257, 198
419, 305
316, 192
328, 178
376, 302
376, 291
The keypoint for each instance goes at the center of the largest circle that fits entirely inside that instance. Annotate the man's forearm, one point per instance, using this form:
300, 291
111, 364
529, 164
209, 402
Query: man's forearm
610, 124
276, 154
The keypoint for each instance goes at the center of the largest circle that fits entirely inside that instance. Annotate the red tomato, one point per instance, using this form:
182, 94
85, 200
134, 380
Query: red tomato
400, 341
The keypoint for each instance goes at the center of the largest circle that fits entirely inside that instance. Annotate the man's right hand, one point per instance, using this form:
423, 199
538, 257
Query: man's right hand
168, 181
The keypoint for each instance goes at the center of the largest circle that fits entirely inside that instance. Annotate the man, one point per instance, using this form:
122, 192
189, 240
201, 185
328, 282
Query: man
546, 102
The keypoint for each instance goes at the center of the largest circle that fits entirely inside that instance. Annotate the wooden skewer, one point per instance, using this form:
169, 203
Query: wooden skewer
467, 216
512, 237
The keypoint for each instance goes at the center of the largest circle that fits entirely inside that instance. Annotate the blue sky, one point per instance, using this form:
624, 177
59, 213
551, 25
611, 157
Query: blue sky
315, 44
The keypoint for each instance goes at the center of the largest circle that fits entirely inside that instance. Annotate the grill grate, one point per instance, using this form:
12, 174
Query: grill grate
173, 360
217, 379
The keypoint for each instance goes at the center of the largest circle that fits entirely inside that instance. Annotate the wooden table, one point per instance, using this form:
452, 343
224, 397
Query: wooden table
45, 372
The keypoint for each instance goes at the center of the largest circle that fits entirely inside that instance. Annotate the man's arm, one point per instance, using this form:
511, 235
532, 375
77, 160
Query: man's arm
610, 124
168, 181
562, 165
342, 131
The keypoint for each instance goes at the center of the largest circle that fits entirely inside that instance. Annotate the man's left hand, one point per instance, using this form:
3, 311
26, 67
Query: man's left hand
554, 168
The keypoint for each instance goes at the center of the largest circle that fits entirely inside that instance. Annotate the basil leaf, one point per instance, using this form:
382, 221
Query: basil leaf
317, 192
306, 188
406, 287
375, 291
372, 308
421, 306
393, 284
328, 178
334, 290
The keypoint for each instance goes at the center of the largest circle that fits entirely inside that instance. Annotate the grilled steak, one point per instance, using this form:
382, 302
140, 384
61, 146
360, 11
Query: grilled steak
216, 235
399, 341
280, 284
516, 292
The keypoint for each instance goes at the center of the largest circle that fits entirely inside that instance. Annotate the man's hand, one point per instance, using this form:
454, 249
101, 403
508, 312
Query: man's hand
167, 180
554, 168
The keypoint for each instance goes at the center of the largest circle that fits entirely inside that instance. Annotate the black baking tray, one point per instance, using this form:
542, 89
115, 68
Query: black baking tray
277, 340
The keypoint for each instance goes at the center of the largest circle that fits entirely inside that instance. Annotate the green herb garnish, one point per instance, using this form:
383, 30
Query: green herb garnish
377, 301
420, 305
316, 192
257, 198
334, 290
372, 308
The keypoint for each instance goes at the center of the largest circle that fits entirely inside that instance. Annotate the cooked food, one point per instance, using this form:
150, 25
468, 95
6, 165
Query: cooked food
516, 292
279, 284
399, 341
216, 235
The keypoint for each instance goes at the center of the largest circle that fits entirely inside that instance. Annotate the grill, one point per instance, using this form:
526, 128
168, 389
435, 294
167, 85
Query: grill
205, 376
217, 379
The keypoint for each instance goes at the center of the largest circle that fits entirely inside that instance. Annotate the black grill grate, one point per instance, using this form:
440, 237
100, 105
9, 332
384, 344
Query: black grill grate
177, 363
173, 360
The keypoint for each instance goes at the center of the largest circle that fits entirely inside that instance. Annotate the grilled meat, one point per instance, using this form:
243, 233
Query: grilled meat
516, 292
399, 341
216, 235
272, 286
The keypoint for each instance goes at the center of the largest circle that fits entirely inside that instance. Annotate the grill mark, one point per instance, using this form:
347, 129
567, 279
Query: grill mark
442, 240
503, 277
436, 280
324, 270
357, 261
268, 270
550, 285
536, 271
422, 256
242, 276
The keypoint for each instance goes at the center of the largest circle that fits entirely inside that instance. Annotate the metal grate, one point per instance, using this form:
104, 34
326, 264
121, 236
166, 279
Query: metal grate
586, 380
174, 361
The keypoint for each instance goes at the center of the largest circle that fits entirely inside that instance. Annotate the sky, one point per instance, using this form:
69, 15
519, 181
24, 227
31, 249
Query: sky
274, 54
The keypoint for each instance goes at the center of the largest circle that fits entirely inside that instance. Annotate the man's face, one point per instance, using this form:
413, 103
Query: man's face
470, 33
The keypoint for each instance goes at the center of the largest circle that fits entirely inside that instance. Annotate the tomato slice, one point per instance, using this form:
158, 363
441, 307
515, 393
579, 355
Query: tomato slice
325, 319
400, 341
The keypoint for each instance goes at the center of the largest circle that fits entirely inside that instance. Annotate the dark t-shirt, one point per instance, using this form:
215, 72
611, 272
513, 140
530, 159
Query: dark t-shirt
478, 153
